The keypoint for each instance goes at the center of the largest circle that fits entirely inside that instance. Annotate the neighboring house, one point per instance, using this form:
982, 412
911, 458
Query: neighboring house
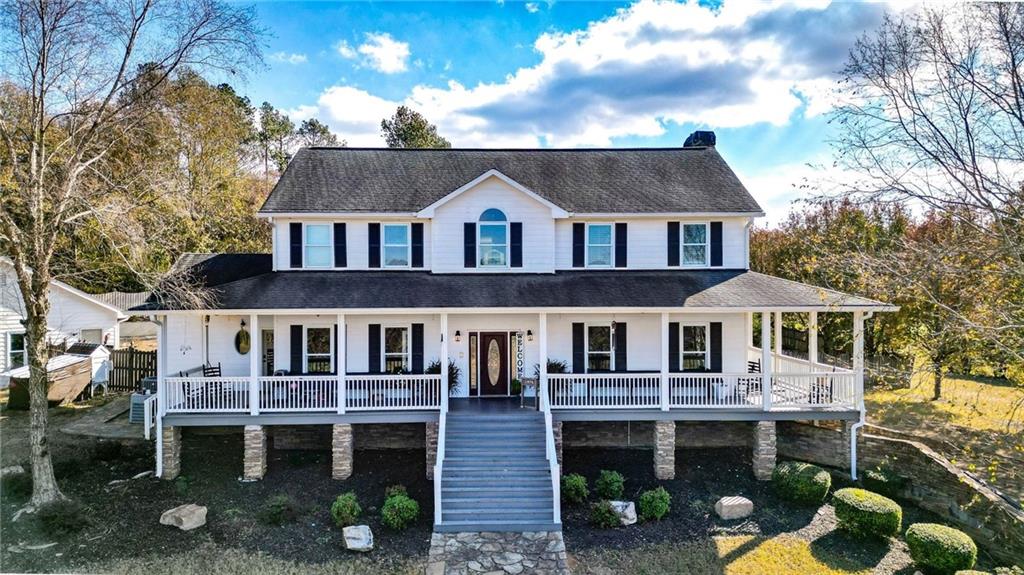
75, 316
628, 266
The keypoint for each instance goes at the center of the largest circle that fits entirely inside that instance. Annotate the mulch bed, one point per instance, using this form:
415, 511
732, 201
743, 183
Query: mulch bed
123, 520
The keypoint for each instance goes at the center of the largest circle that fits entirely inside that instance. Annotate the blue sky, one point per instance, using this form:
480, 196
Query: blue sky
575, 74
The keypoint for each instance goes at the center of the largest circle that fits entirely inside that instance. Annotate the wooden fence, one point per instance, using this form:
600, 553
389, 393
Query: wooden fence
129, 367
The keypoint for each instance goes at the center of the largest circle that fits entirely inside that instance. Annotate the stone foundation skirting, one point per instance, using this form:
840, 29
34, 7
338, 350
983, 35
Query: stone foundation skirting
640, 434
172, 452
557, 434
430, 442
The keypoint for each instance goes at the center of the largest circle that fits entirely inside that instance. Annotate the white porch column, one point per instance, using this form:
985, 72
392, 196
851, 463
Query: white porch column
858, 354
766, 360
254, 365
340, 362
778, 333
444, 362
161, 392
542, 351
812, 338
664, 361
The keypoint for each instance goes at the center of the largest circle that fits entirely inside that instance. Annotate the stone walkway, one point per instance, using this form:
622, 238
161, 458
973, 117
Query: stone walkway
532, 552
108, 421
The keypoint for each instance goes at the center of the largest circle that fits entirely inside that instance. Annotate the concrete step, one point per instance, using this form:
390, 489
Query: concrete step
492, 491
454, 503
504, 526
496, 474
497, 515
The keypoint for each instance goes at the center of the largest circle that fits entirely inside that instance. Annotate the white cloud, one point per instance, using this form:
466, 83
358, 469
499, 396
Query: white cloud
345, 51
778, 187
288, 58
532, 7
636, 72
385, 54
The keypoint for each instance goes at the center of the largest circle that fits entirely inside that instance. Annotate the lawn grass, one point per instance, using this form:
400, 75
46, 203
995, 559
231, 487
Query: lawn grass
730, 555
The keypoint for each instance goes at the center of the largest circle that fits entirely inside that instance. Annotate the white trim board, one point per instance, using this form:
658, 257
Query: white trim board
428, 212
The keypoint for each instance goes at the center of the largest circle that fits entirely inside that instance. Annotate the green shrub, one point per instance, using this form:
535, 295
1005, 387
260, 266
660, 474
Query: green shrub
62, 517
864, 514
278, 510
574, 488
801, 482
602, 514
940, 549
654, 504
345, 510
883, 481
609, 485
399, 511
397, 489
17, 485
182, 484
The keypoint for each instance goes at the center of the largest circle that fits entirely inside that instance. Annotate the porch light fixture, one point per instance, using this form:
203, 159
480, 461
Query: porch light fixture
458, 336
529, 335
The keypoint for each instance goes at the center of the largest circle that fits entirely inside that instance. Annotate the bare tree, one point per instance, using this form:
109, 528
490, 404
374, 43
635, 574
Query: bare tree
933, 118
79, 78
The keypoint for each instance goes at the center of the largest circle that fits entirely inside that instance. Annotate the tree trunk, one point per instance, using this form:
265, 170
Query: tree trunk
44, 484
937, 379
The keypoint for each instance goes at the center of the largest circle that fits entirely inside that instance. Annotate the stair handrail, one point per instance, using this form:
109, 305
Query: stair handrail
552, 455
442, 418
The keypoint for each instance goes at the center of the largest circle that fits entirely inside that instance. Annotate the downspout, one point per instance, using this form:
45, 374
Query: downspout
746, 241
860, 406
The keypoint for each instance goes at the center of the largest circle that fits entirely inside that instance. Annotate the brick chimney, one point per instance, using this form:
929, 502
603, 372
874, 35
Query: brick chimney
700, 139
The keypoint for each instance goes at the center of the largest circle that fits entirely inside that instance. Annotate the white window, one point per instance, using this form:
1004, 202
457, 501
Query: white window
695, 245
318, 350
91, 336
15, 350
396, 246
396, 350
694, 350
599, 245
317, 245
492, 239
599, 348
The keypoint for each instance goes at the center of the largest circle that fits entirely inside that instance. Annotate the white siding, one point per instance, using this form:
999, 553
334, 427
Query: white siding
538, 227
184, 343
357, 240
643, 343
647, 241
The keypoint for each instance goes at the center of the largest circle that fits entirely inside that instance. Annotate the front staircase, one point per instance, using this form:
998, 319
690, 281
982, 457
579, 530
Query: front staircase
495, 475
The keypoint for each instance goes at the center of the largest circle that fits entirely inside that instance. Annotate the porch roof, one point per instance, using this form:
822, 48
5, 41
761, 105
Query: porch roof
379, 290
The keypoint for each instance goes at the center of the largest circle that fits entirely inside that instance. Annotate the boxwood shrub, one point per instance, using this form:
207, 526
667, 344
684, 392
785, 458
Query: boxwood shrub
654, 504
399, 511
801, 482
602, 514
278, 510
609, 484
884, 481
345, 510
939, 549
574, 488
865, 515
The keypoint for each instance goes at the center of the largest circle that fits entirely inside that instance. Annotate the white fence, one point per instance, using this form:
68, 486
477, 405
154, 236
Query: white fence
604, 390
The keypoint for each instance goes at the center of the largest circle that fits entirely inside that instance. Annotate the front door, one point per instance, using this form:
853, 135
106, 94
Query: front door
492, 362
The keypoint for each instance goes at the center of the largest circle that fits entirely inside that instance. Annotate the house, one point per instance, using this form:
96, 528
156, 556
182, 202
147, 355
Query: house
615, 280
75, 316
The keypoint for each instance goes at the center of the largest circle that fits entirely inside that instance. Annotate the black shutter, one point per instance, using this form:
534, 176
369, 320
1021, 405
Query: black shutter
373, 245
295, 367
340, 246
579, 244
620, 347
673, 244
469, 245
620, 245
716, 244
673, 347
295, 240
516, 231
373, 348
715, 341
417, 245
417, 348
579, 355
337, 352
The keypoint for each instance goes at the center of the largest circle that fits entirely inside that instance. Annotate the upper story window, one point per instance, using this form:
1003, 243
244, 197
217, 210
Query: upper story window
599, 348
396, 350
599, 245
492, 240
318, 350
317, 245
695, 245
396, 246
695, 347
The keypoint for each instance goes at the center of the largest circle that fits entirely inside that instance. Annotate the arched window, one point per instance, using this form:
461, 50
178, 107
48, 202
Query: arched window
492, 240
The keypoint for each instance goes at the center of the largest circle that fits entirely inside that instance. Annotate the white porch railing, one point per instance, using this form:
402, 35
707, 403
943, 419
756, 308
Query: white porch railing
604, 390
294, 393
392, 392
207, 394
814, 390
149, 414
715, 390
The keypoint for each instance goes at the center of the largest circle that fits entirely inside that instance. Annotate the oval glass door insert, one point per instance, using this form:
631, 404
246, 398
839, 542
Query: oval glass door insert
493, 362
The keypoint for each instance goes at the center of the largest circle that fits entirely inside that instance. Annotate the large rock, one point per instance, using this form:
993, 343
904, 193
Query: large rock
358, 538
11, 470
626, 511
185, 517
734, 507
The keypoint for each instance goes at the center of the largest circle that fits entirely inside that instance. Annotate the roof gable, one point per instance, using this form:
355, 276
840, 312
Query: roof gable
428, 212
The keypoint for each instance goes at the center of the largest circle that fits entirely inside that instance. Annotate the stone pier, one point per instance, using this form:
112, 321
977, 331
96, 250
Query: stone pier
556, 432
431, 445
254, 463
764, 450
341, 451
665, 449
172, 452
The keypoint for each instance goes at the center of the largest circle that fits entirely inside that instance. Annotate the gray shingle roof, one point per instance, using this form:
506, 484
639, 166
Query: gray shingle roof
384, 289
638, 180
